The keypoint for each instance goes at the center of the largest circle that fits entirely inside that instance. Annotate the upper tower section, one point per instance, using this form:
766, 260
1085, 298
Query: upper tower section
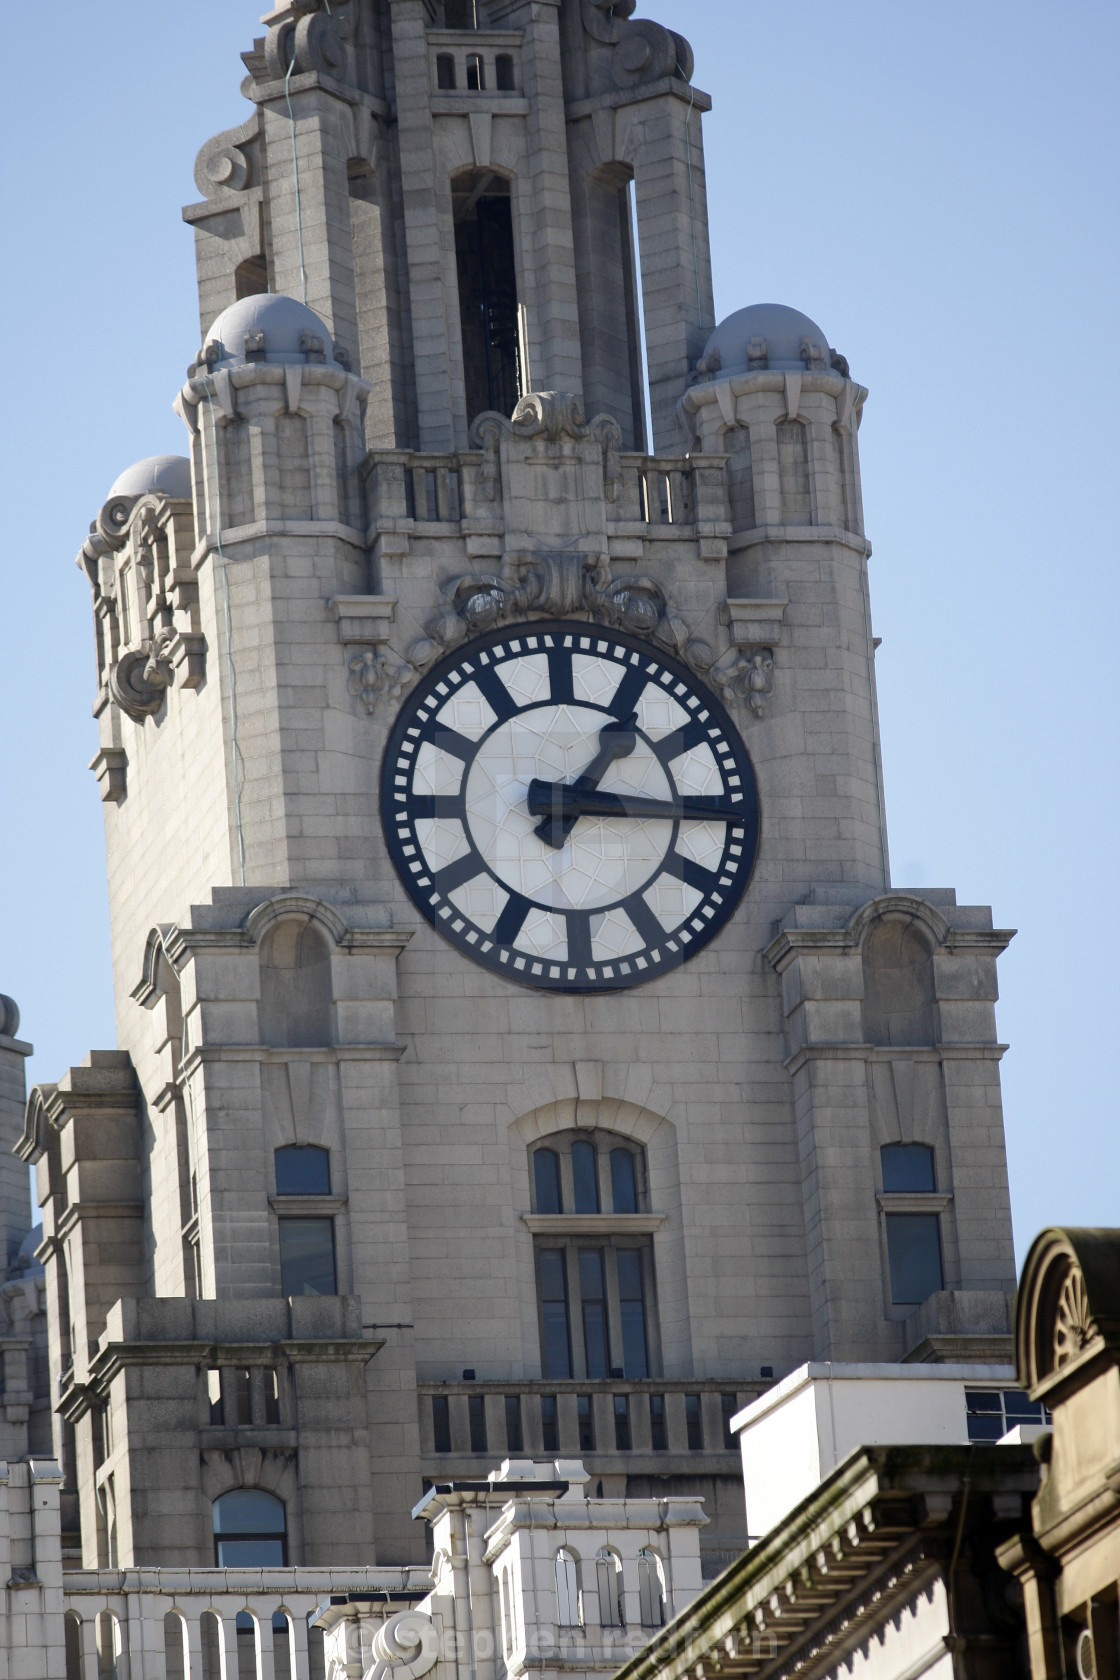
481, 198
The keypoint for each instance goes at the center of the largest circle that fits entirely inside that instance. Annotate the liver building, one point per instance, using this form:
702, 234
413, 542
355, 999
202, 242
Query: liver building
522, 1049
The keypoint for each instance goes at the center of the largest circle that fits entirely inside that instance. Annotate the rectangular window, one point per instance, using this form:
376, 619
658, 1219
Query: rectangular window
622, 1422
550, 1428
586, 1417
914, 1252
271, 1397
593, 1300
476, 73
728, 1407
307, 1257
445, 72
214, 1395
243, 1390
303, 1170
441, 1422
985, 1414
503, 71
632, 1312
476, 1411
1020, 1408
907, 1167
659, 1434
515, 1435
556, 1343
694, 1422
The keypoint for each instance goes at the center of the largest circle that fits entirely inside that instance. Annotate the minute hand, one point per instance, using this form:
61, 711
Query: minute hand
544, 798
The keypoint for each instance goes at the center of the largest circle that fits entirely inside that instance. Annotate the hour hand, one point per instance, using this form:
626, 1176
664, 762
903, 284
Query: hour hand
616, 740
569, 802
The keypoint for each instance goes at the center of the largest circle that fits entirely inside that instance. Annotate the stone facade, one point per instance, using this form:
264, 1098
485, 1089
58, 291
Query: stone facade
355, 507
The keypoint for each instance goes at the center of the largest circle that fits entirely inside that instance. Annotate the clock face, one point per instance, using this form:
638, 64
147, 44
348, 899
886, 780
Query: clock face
570, 807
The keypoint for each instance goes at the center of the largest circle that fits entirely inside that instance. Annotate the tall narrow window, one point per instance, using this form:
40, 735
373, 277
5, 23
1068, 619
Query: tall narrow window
250, 1531
622, 1422
487, 273
728, 1406
214, 1395
550, 1428
608, 1579
476, 73
546, 1181
658, 1433
556, 1342
593, 1300
694, 1422
586, 1419
243, 1392
441, 1422
503, 73
271, 1396
515, 1435
624, 1183
585, 1177
651, 1591
914, 1253
445, 72
793, 473
632, 1312
307, 1257
476, 1413
567, 1590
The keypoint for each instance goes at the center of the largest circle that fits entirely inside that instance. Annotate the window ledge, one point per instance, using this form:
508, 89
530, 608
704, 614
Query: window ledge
913, 1201
307, 1206
592, 1224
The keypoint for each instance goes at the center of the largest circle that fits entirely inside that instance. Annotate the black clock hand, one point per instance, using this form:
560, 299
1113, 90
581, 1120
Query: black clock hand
571, 802
616, 740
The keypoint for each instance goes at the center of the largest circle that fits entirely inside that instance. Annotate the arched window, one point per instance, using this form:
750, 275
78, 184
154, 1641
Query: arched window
898, 997
585, 1177
546, 1181
486, 265
624, 1182
608, 1579
567, 1590
651, 1590
793, 473
250, 1530
295, 1008
588, 1172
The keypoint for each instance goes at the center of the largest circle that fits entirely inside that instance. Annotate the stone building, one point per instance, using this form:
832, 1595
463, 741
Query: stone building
522, 1048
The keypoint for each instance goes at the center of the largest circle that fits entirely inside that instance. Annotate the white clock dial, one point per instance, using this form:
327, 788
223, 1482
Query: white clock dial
570, 807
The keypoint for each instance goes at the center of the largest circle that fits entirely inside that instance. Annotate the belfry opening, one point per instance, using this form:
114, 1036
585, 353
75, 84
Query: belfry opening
488, 306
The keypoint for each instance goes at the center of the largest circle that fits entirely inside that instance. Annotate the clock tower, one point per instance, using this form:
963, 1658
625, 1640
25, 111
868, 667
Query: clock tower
522, 1047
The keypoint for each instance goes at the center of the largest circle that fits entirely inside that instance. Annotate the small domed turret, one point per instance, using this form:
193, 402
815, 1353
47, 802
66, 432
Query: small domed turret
267, 328
765, 335
168, 475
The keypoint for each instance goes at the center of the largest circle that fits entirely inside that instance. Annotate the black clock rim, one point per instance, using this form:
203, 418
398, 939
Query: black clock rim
752, 822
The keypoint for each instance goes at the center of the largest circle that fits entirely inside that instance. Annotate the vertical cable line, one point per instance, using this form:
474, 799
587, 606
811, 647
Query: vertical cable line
237, 763
295, 171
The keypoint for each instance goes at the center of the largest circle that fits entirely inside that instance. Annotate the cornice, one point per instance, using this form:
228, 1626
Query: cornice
593, 1224
843, 1052
270, 1054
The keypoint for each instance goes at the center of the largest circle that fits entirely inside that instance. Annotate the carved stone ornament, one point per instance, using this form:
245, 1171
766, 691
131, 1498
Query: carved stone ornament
377, 674
309, 38
746, 675
557, 585
1073, 1322
139, 680
551, 415
643, 51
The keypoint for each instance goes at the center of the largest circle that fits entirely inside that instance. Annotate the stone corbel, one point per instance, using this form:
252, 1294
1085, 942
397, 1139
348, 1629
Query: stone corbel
375, 670
140, 679
186, 654
110, 766
746, 671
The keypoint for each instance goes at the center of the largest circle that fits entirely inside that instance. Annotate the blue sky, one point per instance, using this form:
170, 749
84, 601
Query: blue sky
935, 184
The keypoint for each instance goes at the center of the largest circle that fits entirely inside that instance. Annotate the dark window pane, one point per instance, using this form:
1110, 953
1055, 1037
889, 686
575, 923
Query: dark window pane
461, 14
585, 1178
476, 1410
694, 1422
594, 1308
546, 1181
907, 1167
307, 1257
624, 1185
243, 1390
250, 1554
984, 1407
556, 1354
503, 72
1020, 1408
728, 1408
303, 1171
445, 71
586, 1423
441, 1422
271, 1397
622, 1422
515, 1435
248, 1511
659, 1434
550, 1429
914, 1251
476, 73
632, 1312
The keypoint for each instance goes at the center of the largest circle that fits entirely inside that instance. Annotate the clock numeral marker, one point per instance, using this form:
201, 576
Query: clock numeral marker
626, 694
680, 741
436, 805
453, 875
512, 919
560, 676
446, 739
579, 939
644, 919
692, 873
496, 693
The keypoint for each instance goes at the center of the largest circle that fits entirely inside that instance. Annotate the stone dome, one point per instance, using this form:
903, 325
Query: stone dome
168, 474
783, 330
291, 332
